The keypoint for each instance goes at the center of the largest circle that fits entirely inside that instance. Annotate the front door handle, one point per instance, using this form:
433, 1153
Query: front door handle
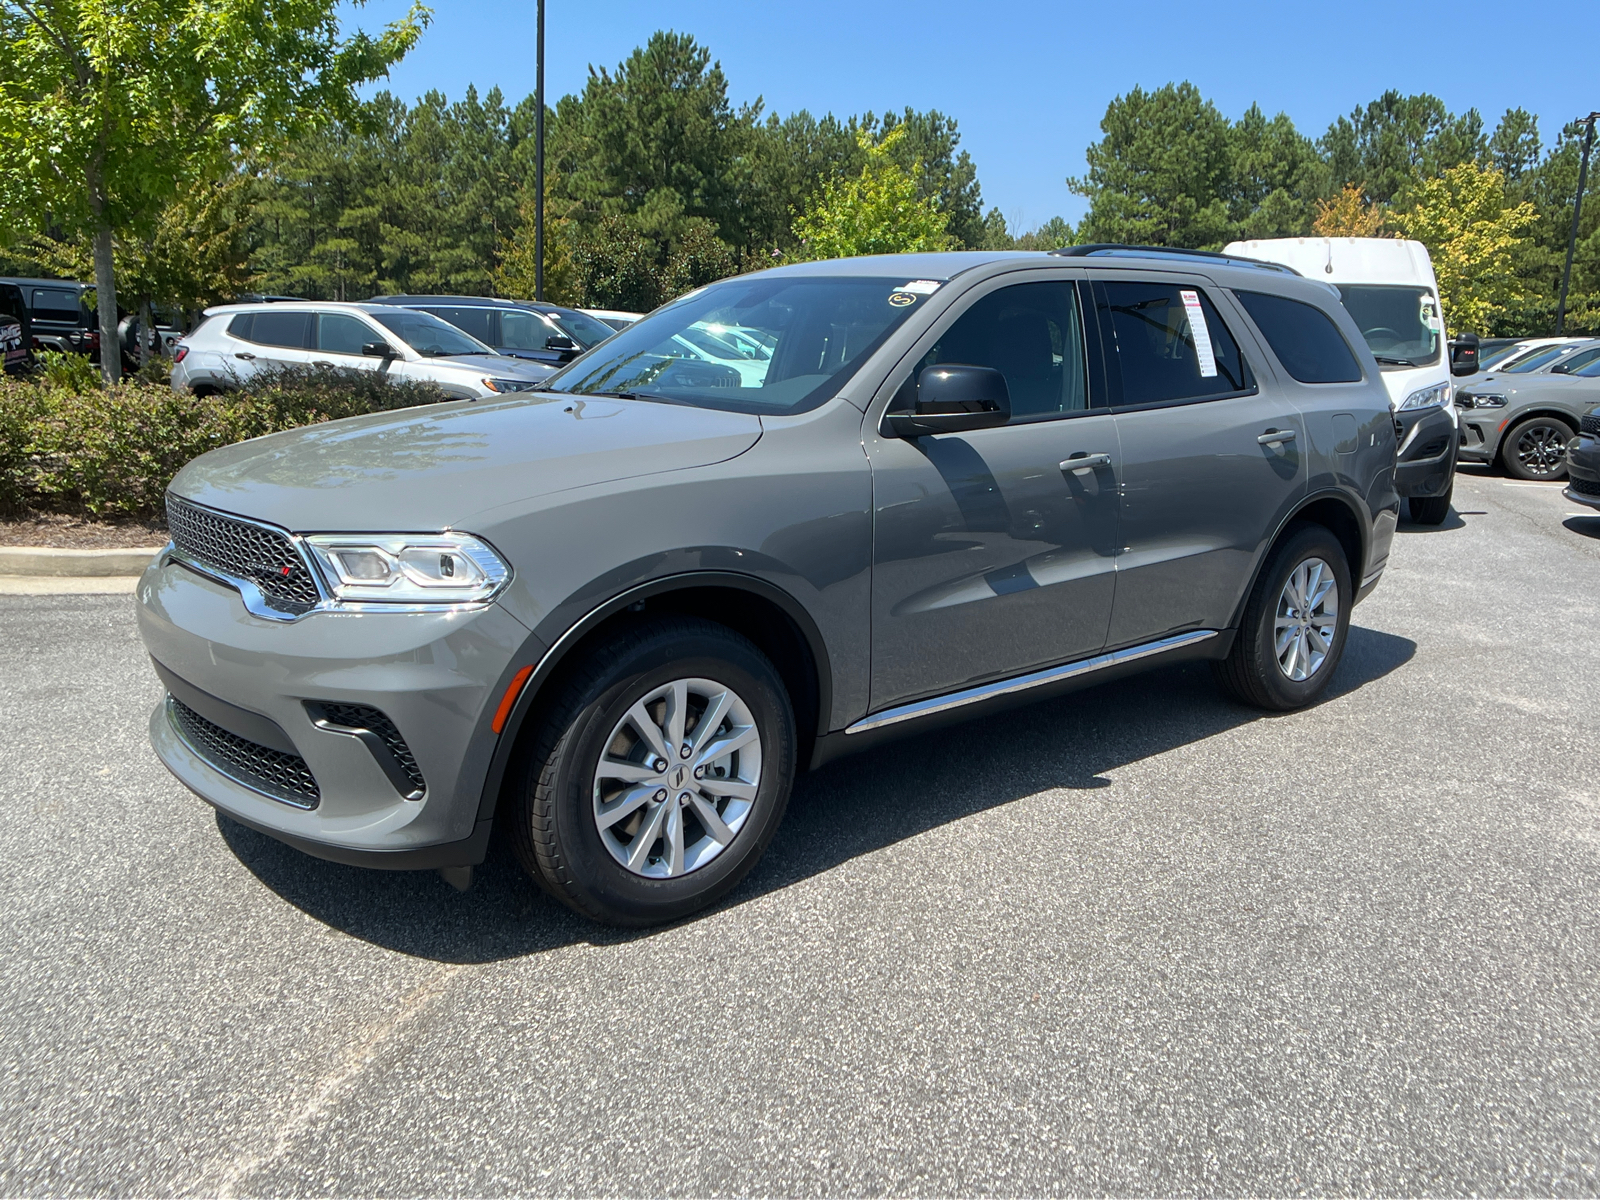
1276, 437
244, 354
1079, 463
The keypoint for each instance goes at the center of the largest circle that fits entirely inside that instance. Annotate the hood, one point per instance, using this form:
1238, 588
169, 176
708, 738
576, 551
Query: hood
504, 365
426, 468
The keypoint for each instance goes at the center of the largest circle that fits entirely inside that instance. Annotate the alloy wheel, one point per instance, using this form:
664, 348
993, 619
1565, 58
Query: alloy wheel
1542, 449
1307, 619
677, 778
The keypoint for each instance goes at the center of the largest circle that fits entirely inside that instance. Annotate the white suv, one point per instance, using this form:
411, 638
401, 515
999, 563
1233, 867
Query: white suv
235, 341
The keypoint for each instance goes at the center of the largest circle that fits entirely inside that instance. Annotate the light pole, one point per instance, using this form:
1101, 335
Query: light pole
1577, 209
538, 167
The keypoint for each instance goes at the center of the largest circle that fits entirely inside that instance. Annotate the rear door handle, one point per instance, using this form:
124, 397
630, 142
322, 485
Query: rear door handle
1079, 463
322, 363
1276, 437
244, 354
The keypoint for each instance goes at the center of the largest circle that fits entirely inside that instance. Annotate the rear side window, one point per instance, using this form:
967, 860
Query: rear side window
1306, 341
290, 329
479, 322
55, 304
1170, 343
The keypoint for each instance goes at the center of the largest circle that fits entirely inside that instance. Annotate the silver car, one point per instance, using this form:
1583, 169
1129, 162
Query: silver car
236, 341
1522, 415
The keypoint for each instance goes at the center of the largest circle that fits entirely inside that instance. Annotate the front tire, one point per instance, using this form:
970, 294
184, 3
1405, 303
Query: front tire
1432, 510
1295, 624
1536, 449
659, 775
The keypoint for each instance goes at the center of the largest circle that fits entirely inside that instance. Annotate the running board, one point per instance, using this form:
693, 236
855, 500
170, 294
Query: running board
1021, 683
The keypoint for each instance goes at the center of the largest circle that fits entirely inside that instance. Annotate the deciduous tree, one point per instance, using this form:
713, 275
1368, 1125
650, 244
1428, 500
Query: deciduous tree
108, 107
879, 211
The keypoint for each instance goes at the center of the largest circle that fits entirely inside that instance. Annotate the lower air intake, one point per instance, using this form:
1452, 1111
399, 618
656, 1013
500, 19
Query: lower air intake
271, 772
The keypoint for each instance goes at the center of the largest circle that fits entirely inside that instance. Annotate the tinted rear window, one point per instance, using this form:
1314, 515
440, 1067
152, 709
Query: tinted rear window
56, 304
478, 321
291, 329
1306, 341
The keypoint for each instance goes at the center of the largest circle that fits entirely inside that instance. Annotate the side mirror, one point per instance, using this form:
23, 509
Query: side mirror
1464, 354
564, 346
954, 398
378, 349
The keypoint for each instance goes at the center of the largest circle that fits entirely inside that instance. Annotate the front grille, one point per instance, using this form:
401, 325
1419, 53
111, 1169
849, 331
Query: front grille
272, 772
364, 716
245, 551
1585, 487
1591, 422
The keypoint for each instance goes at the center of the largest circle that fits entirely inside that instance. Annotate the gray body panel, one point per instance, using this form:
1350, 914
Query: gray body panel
1483, 430
912, 567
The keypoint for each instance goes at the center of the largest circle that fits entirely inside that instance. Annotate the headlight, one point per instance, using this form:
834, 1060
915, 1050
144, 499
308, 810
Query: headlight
400, 568
1428, 397
1490, 400
510, 385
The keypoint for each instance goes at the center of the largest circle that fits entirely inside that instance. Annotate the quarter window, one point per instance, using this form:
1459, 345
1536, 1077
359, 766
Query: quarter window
1031, 333
340, 333
1306, 342
290, 329
55, 304
1169, 343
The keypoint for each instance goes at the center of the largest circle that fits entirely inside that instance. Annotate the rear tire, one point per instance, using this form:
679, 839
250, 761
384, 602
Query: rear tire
1287, 630
1432, 510
1536, 449
611, 814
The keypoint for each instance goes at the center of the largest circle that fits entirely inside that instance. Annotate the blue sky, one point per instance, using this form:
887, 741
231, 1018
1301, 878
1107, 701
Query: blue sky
1029, 82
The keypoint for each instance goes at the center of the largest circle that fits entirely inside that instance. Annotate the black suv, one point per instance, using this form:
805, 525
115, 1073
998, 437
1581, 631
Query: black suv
545, 333
61, 313
16, 329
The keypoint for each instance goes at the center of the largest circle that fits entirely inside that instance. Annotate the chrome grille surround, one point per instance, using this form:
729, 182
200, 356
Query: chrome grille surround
276, 775
244, 552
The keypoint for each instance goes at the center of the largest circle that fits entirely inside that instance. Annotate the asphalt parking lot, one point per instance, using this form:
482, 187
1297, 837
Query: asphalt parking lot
1136, 940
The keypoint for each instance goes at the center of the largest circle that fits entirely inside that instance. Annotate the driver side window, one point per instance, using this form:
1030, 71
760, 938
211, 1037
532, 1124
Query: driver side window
1032, 333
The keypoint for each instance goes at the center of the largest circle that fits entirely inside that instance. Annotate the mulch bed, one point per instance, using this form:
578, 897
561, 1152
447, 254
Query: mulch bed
81, 533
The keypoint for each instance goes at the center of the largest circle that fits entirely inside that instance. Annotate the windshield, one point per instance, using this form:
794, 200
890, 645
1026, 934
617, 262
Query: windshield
1503, 355
1401, 324
1592, 371
760, 344
427, 334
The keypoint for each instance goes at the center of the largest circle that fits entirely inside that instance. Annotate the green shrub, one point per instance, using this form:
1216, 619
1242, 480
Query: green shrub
72, 371
111, 452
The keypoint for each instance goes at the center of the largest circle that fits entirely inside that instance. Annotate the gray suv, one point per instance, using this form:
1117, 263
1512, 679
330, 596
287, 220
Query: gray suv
614, 617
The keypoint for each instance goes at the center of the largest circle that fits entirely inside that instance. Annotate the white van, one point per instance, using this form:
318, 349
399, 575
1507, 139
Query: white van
1388, 287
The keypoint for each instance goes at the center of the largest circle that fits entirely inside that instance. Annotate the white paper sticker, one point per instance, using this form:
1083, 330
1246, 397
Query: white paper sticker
1201, 334
923, 287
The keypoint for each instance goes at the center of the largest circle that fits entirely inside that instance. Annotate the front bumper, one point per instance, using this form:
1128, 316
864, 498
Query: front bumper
1426, 462
1583, 470
435, 676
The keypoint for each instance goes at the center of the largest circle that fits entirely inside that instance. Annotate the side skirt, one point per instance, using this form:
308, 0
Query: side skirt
969, 703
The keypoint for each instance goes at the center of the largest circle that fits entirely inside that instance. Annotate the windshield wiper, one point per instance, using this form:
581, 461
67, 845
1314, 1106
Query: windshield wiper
1393, 362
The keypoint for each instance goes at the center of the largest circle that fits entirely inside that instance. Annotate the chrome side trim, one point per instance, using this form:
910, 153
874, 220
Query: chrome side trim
1021, 683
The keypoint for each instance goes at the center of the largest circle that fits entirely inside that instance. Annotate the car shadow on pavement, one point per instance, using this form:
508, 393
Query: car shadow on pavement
1588, 526
850, 808
1452, 520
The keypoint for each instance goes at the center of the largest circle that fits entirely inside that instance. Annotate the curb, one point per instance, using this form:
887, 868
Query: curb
36, 561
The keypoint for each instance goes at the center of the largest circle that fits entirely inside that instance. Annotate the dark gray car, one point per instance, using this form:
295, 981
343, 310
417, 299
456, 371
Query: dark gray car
615, 617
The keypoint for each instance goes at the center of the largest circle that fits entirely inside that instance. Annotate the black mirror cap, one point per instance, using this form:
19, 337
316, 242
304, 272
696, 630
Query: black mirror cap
1464, 354
377, 349
955, 398
557, 341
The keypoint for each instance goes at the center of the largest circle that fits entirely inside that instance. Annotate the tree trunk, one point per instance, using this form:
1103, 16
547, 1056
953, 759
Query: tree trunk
147, 325
105, 286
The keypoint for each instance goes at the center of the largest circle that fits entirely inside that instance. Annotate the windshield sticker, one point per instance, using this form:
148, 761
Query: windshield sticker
901, 299
922, 287
1428, 316
1202, 334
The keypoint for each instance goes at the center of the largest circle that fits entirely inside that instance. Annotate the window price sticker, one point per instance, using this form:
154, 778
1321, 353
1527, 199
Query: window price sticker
1201, 333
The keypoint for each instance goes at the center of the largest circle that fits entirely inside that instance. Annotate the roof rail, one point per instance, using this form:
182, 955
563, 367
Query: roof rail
1124, 250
